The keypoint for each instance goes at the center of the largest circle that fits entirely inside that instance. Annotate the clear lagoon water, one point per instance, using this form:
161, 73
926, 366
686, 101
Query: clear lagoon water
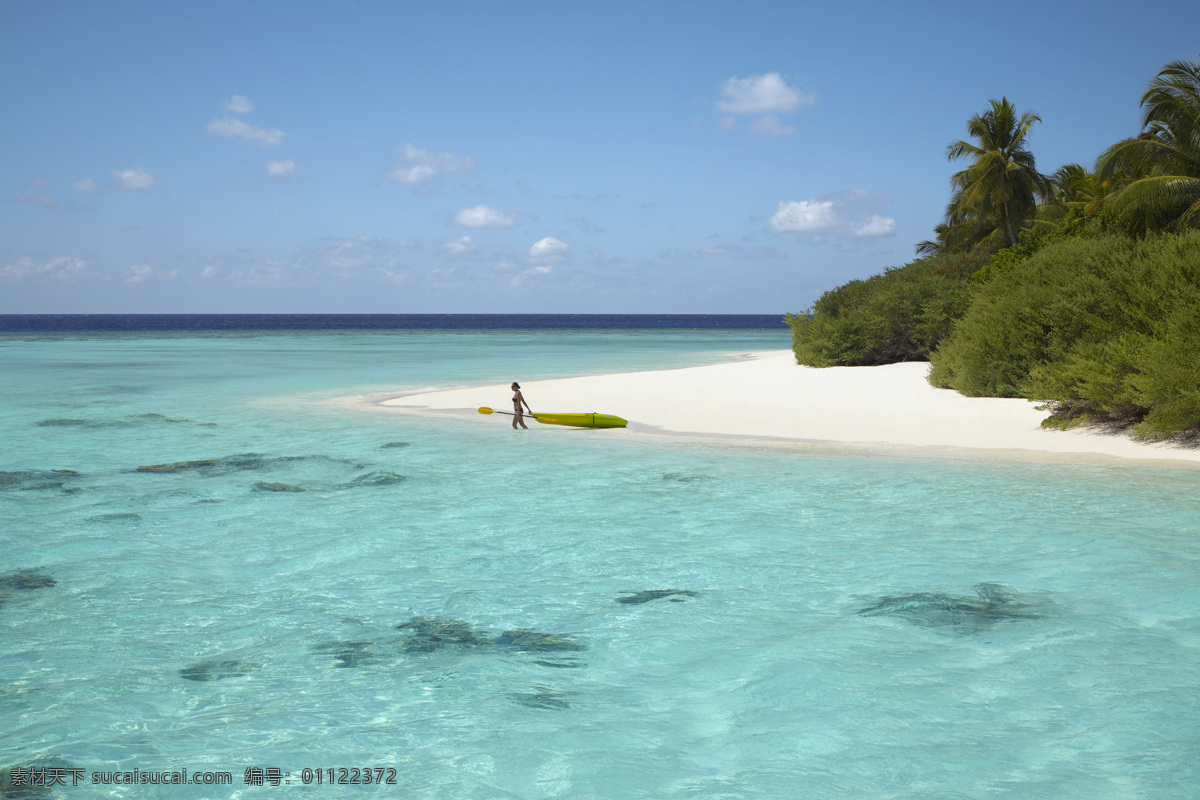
584, 617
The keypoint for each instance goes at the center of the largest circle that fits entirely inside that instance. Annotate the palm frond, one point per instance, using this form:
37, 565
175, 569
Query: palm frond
1155, 178
1160, 202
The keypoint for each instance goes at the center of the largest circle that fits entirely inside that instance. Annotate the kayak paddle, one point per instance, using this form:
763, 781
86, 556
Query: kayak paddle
486, 410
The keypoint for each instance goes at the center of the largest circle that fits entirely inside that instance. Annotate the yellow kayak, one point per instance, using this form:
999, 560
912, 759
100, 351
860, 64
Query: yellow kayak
581, 420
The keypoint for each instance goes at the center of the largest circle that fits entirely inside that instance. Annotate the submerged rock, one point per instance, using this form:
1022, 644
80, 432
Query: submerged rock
394, 444
240, 461
35, 479
351, 654
671, 595
535, 642
245, 461
262, 486
179, 466
429, 634
379, 478
156, 418
127, 422
26, 579
560, 663
433, 634
217, 670
683, 477
992, 604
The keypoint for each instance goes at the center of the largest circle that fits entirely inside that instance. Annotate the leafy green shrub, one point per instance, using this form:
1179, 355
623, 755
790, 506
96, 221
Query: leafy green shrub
1103, 329
1073, 225
1169, 382
900, 315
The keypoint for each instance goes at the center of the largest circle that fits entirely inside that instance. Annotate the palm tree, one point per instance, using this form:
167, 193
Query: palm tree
996, 196
1073, 186
1074, 192
1157, 174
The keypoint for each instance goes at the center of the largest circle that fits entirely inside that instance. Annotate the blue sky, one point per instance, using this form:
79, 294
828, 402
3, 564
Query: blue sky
617, 157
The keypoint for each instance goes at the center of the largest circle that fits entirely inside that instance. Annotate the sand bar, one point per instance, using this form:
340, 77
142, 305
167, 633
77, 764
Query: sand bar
765, 396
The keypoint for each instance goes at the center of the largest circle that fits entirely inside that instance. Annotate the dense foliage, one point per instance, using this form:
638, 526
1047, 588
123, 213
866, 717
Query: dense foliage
900, 315
1079, 289
1105, 329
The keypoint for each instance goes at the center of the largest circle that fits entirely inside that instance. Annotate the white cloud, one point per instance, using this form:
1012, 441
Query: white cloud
209, 272
39, 182
281, 170
87, 186
877, 226
462, 246
134, 178
803, 215
761, 94
230, 128
144, 272
138, 273
65, 268
766, 95
549, 248
482, 216
849, 214
239, 104
520, 277
415, 165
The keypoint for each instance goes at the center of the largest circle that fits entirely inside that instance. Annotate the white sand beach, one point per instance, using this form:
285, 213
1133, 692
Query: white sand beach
767, 396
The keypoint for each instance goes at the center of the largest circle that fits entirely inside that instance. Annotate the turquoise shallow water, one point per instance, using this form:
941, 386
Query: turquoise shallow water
1076, 676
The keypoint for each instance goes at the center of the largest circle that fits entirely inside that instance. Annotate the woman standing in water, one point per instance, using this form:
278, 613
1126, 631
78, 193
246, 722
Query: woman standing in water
518, 401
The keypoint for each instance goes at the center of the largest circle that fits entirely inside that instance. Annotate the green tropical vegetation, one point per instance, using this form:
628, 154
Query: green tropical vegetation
900, 315
1156, 176
1079, 289
1104, 329
996, 196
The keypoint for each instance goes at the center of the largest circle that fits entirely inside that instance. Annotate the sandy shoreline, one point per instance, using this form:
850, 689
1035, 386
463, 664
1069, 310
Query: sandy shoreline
766, 396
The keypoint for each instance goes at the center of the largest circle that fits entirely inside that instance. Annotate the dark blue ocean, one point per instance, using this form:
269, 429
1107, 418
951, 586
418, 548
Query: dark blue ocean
210, 563
115, 323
